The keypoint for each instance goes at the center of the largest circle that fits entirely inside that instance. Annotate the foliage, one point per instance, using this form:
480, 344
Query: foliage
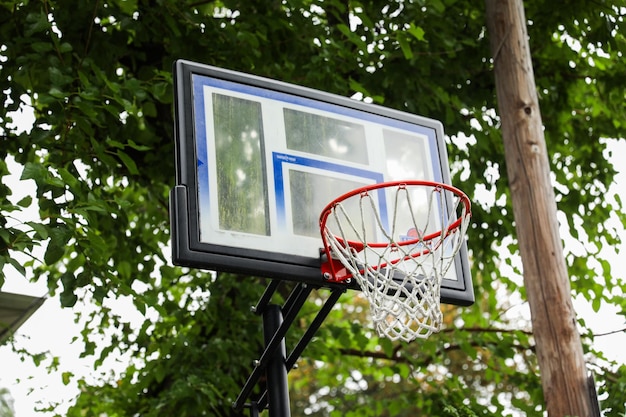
98, 75
6, 403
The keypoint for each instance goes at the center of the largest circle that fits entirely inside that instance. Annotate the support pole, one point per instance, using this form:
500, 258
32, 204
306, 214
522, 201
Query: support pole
276, 338
277, 384
307, 336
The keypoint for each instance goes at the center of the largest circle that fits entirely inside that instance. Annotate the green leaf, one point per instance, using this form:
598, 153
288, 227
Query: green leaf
115, 144
138, 147
25, 202
5, 235
162, 91
34, 171
65, 47
387, 346
41, 47
86, 123
57, 78
360, 339
404, 370
96, 248
40, 229
37, 22
54, 252
437, 5
405, 46
124, 269
128, 162
99, 293
89, 349
596, 303
68, 299
127, 6
59, 237
17, 265
83, 278
149, 109
416, 31
57, 93
66, 377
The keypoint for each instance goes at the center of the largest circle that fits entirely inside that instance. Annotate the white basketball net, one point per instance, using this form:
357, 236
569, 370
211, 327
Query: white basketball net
399, 274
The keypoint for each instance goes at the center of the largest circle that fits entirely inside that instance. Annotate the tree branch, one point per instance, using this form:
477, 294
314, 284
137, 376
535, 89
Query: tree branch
486, 330
610, 333
396, 357
90, 31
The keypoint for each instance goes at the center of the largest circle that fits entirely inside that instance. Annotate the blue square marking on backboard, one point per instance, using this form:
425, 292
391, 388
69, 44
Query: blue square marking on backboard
279, 181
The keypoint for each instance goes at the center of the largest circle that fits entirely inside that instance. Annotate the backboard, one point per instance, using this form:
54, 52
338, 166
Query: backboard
257, 161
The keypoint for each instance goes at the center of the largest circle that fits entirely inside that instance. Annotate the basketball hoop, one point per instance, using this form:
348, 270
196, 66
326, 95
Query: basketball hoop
397, 240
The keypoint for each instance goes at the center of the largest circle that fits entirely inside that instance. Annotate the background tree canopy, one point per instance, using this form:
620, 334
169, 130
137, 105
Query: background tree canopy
98, 75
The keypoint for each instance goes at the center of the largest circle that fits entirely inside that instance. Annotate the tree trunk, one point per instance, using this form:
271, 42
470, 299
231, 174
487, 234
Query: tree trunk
558, 344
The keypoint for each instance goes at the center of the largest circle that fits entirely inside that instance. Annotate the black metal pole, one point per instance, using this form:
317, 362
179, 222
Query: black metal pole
266, 297
277, 384
307, 337
291, 308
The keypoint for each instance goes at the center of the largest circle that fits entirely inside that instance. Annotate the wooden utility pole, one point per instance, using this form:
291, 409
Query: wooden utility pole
558, 345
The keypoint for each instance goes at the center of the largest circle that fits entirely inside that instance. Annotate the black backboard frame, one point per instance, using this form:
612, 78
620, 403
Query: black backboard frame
187, 248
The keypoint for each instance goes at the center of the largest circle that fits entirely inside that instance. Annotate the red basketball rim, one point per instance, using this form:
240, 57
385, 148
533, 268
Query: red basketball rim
359, 246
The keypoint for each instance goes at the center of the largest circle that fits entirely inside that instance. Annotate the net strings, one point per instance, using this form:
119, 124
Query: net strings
402, 283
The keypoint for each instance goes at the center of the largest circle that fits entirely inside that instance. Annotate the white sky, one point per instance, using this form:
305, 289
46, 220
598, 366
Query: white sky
52, 328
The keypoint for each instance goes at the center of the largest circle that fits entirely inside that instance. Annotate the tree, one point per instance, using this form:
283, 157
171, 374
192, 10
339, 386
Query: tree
98, 75
565, 381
